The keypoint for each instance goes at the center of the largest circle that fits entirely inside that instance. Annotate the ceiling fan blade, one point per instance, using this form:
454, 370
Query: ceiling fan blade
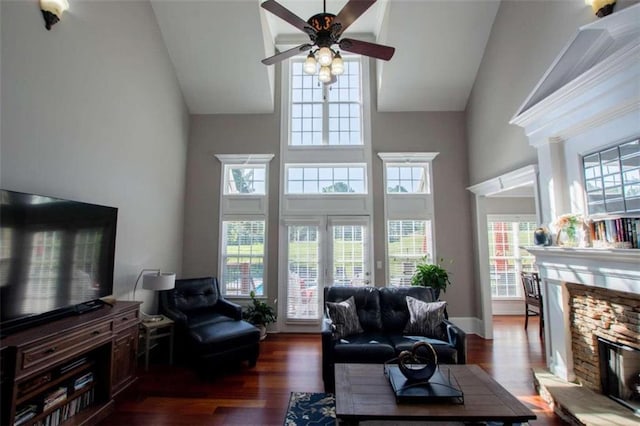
286, 54
373, 50
285, 14
352, 11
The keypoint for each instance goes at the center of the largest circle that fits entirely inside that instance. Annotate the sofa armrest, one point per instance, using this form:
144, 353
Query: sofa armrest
229, 309
457, 338
177, 316
328, 343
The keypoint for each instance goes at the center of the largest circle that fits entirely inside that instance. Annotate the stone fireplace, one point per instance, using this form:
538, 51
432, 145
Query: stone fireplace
620, 373
605, 341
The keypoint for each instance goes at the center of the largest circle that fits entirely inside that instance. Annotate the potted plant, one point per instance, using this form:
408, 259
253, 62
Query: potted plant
259, 314
431, 275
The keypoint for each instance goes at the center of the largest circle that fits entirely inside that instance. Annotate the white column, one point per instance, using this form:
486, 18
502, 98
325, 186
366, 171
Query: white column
552, 180
557, 327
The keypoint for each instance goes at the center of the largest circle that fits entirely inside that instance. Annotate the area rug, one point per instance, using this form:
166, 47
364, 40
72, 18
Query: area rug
307, 408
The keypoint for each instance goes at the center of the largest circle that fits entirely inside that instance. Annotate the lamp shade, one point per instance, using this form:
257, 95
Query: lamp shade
159, 282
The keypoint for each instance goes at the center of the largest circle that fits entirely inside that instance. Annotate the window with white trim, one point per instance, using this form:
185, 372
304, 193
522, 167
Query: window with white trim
326, 114
244, 210
507, 233
412, 179
242, 179
408, 243
408, 206
243, 257
326, 179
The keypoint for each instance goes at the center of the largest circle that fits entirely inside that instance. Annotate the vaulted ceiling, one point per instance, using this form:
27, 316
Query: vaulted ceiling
216, 47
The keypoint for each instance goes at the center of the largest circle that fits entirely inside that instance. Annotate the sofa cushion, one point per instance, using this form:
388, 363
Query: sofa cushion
373, 347
204, 316
195, 293
446, 353
227, 333
424, 317
344, 317
367, 304
393, 302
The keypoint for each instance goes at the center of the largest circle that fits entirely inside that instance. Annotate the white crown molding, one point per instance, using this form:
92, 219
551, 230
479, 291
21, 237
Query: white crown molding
594, 79
244, 158
514, 179
407, 157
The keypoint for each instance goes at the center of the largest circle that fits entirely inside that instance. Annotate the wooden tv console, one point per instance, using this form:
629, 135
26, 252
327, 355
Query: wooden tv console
69, 370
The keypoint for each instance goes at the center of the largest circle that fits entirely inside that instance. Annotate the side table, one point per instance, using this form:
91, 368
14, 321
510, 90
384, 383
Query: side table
150, 331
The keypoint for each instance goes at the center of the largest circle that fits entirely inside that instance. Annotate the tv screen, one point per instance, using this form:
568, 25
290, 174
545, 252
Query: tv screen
54, 254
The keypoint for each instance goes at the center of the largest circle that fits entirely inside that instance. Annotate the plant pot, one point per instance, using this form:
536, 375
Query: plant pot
263, 331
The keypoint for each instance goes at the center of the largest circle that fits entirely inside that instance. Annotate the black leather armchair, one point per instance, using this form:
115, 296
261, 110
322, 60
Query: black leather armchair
208, 326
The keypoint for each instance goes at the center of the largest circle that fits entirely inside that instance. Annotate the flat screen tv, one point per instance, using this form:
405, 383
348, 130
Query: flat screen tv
56, 257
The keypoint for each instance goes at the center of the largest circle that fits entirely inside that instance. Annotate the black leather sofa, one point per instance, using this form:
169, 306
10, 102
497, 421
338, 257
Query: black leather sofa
383, 315
209, 328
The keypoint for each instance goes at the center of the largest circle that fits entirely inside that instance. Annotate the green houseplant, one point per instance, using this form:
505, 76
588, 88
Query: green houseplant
259, 314
432, 275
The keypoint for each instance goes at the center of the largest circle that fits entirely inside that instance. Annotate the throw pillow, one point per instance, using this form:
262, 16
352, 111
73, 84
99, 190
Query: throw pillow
344, 317
424, 317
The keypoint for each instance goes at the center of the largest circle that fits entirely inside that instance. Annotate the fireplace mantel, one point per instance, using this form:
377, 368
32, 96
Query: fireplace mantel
613, 269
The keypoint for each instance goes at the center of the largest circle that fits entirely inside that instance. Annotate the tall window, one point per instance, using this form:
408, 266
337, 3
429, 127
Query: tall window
326, 115
244, 212
408, 243
408, 205
243, 257
506, 260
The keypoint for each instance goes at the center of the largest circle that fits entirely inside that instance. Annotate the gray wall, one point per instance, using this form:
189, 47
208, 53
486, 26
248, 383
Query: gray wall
510, 205
226, 134
525, 39
391, 132
432, 132
92, 111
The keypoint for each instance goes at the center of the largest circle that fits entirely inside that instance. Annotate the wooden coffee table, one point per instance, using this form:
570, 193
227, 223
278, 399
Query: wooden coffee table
363, 393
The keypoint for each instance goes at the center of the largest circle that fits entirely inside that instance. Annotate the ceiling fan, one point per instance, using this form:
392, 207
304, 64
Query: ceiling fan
324, 30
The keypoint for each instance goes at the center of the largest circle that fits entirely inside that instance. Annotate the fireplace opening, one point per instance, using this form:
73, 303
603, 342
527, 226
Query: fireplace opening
620, 373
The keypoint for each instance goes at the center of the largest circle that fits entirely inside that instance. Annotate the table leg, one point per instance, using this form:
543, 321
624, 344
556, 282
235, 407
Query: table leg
147, 340
171, 346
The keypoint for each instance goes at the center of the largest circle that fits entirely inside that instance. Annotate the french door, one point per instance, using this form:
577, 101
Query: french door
319, 252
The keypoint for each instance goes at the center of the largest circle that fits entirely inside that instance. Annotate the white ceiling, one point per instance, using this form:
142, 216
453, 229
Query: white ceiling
216, 47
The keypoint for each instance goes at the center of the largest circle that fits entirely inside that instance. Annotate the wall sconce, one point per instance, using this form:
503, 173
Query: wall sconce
52, 11
601, 8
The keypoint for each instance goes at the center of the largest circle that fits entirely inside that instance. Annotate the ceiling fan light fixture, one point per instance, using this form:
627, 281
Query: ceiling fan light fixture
309, 66
337, 65
325, 56
324, 75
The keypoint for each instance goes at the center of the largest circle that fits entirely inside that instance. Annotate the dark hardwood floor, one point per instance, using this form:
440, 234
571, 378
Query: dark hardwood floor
176, 395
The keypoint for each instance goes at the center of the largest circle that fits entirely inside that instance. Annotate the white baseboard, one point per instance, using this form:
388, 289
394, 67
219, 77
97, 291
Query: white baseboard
469, 325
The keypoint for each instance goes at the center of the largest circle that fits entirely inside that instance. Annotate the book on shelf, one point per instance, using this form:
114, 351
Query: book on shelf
54, 397
25, 413
621, 232
83, 381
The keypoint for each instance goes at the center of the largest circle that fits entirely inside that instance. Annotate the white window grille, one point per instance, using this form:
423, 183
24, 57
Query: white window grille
409, 242
343, 179
243, 257
408, 179
303, 251
241, 179
326, 115
506, 259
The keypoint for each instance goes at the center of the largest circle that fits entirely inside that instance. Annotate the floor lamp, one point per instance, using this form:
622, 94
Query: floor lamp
158, 281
